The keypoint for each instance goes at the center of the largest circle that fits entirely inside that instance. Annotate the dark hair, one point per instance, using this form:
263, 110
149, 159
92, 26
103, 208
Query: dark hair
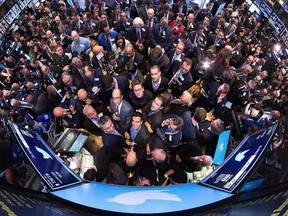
200, 114
118, 37
130, 67
103, 120
107, 81
90, 174
136, 82
138, 114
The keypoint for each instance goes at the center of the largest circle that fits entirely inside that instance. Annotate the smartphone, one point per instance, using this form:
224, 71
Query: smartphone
72, 101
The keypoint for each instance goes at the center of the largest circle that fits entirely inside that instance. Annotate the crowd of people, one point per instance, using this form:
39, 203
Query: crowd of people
151, 80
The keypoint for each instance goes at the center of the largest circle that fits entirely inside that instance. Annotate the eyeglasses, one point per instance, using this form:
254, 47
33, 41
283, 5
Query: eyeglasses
138, 90
116, 98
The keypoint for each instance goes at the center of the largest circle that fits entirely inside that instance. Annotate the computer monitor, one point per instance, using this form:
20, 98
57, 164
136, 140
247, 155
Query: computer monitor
71, 141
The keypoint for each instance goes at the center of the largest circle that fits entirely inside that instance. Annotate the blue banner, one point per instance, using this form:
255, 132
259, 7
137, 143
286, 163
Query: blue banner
52, 170
231, 173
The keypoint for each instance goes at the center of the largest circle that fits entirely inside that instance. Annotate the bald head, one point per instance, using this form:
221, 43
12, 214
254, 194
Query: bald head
131, 158
82, 94
98, 49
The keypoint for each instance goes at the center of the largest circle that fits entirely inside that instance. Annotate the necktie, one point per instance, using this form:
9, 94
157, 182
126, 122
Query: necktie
160, 32
149, 26
174, 58
138, 34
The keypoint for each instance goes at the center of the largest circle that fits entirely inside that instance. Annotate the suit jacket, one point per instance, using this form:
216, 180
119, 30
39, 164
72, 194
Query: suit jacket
91, 27
163, 63
171, 53
170, 16
126, 113
103, 41
140, 62
89, 125
134, 12
182, 85
123, 27
132, 34
162, 87
114, 144
189, 131
153, 21
213, 41
165, 40
175, 8
189, 27
142, 137
154, 119
94, 81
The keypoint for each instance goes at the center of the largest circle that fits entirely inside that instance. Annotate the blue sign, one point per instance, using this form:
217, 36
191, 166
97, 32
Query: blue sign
231, 173
49, 166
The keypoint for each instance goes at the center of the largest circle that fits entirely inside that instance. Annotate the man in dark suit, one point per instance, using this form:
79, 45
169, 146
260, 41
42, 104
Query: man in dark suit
205, 23
77, 70
90, 27
179, 7
61, 57
181, 80
152, 19
166, 13
71, 84
162, 35
160, 59
121, 110
113, 138
137, 31
68, 114
92, 79
216, 40
136, 57
103, 7
50, 77
134, 11
91, 122
230, 32
155, 82
188, 23
152, 114
176, 54
138, 132
124, 24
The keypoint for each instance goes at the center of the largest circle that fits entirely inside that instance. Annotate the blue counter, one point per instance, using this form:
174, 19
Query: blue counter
142, 200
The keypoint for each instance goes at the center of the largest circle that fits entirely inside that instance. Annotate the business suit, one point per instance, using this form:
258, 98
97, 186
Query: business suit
168, 15
212, 40
189, 130
183, 83
189, 27
123, 27
163, 62
91, 27
176, 9
126, 113
114, 144
95, 80
139, 60
163, 39
103, 41
162, 87
154, 119
132, 34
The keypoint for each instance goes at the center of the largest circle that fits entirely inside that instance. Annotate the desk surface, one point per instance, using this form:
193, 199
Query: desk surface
141, 200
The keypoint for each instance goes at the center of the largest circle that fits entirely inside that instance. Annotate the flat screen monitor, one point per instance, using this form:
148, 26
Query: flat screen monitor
70, 140
221, 148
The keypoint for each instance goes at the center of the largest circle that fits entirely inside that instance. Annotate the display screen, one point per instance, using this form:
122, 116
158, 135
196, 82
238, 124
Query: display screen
231, 174
70, 141
276, 22
52, 170
221, 148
